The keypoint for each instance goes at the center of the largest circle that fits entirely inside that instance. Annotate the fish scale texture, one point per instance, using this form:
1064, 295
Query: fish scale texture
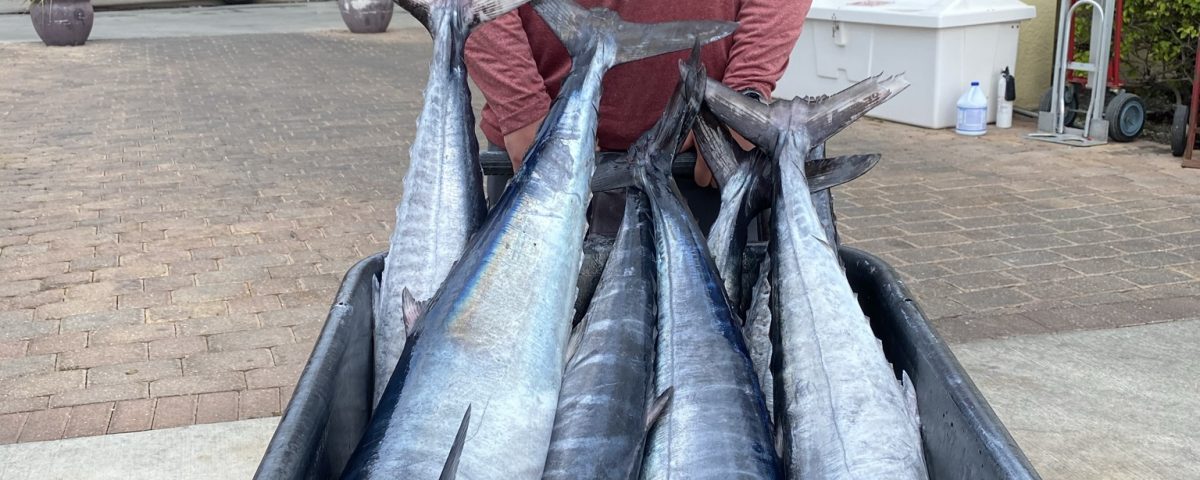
845, 415
442, 203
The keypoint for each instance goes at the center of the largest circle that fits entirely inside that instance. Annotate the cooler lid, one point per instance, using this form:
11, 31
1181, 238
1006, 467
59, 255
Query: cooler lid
922, 13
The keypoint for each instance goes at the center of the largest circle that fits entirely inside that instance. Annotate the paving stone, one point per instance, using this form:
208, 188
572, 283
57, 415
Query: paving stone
131, 334
970, 328
293, 354
29, 404
99, 394
307, 332
13, 349
1031, 258
173, 313
10, 427
88, 420
209, 293
179, 347
106, 355
135, 372
266, 337
1099, 266
254, 304
218, 324
143, 300
132, 416
259, 403
193, 384
1042, 273
1154, 259
45, 425
17, 367
992, 298
235, 360
294, 316
1146, 278
99, 320
1087, 251
216, 407
274, 376
175, 411
41, 384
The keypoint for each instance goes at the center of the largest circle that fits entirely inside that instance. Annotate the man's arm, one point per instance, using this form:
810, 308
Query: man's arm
762, 44
500, 62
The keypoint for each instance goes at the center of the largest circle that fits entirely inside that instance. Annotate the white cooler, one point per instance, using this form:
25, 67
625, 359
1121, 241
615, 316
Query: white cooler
940, 46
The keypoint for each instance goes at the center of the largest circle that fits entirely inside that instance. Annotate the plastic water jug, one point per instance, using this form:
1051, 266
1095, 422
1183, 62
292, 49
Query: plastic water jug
972, 112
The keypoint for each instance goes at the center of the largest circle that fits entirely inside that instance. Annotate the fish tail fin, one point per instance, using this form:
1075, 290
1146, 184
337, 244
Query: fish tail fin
826, 116
820, 118
748, 116
827, 173
450, 471
654, 151
714, 142
475, 12
579, 28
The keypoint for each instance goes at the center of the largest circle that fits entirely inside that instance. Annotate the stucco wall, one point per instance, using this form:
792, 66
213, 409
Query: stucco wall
1035, 53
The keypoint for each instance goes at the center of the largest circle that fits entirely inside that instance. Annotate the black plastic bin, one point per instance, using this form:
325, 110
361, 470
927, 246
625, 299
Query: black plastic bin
962, 436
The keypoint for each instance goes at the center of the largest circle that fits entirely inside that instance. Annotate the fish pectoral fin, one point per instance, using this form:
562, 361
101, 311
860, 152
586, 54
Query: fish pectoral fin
413, 309
450, 471
576, 338
827, 173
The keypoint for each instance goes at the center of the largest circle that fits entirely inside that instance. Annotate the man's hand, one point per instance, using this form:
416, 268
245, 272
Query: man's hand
518, 142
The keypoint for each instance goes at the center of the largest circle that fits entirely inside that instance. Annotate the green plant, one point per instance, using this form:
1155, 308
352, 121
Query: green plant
1159, 44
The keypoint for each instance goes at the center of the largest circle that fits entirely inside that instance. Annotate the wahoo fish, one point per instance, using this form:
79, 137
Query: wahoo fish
442, 204
602, 409
745, 181
842, 412
716, 426
493, 338
757, 332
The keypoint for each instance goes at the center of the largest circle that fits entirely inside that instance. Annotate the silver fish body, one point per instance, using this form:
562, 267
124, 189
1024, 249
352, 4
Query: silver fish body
599, 428
493, 338
842, 412
442, 203
757, 330
716, 426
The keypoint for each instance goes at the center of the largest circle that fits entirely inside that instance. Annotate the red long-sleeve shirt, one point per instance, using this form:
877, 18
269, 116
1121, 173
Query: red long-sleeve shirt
519, 64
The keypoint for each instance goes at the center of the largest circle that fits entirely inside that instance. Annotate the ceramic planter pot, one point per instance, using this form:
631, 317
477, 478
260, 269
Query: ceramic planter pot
366, 16
62, 22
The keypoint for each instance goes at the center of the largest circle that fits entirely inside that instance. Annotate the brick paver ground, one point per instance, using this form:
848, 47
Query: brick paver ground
176, 214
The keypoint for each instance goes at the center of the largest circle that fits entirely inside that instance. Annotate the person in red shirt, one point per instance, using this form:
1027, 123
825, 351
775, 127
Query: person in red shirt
519, 65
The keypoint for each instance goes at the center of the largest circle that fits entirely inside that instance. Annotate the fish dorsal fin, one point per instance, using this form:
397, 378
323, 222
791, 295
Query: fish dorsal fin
450, 471
479, 11
827, 173
658, 407
580, 30
654, 411
413, 309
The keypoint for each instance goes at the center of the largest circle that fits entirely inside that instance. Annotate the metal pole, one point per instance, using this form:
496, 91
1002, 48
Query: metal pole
1191, 133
